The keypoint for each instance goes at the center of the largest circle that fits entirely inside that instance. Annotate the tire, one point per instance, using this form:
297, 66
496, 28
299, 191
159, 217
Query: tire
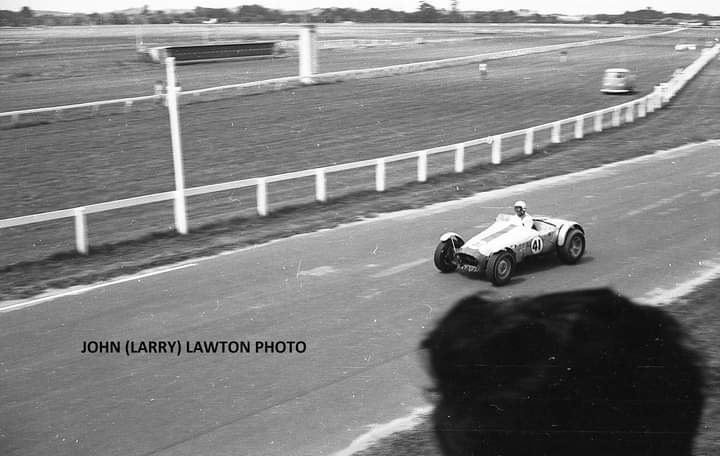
574, 247
500, 268
444, 253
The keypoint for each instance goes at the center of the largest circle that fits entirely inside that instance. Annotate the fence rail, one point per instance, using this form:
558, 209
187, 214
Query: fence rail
640, 107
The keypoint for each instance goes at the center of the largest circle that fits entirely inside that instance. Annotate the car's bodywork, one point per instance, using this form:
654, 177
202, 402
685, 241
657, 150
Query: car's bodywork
500, 247
618, 80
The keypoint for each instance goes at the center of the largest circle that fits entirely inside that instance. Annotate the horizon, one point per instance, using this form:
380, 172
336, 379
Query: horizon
567, 7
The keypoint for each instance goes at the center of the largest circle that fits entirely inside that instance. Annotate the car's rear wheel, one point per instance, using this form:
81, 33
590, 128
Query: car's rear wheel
445, 254
574, 247
500, 268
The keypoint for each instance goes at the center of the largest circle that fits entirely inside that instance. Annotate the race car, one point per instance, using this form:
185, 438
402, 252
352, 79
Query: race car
497, 250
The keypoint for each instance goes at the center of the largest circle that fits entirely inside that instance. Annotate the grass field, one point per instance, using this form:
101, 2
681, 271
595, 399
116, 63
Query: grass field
54, 164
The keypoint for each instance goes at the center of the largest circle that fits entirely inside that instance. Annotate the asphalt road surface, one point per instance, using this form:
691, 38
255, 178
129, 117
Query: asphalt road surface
360, 297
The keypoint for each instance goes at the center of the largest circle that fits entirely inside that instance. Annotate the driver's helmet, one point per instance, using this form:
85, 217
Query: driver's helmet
520, 204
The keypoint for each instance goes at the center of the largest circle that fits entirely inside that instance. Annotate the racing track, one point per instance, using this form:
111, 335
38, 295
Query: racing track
361, 296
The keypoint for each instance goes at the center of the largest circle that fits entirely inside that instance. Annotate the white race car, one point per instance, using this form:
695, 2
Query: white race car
497, 250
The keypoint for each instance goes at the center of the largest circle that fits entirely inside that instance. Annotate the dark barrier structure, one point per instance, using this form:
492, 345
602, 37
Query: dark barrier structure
214, 52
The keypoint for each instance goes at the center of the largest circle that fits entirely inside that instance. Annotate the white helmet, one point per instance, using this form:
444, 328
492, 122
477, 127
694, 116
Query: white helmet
520, 204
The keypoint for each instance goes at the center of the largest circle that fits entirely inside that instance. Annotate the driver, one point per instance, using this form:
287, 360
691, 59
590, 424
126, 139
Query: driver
523, 218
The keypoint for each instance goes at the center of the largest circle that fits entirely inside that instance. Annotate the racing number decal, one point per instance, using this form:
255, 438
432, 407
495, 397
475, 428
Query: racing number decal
536, 245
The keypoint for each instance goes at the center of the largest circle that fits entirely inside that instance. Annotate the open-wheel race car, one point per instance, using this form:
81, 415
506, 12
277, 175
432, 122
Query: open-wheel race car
497, 250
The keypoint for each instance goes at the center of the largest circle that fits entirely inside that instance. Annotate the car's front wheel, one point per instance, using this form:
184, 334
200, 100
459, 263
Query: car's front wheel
500, 268
445, 254
574, 247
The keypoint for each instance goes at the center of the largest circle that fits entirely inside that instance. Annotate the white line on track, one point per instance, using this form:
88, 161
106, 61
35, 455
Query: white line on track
399, 268
661, 296
76, 291
380, 431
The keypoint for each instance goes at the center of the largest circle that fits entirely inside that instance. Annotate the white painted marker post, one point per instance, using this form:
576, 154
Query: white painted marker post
529, 141
81, 240
262, 206
598, 121
320, 185
496, 153
180, 209
308, 53
422, 167
555, 133
579, 127
459, 158
380, 175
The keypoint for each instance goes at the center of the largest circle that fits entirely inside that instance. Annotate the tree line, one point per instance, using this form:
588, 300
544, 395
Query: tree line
425, 13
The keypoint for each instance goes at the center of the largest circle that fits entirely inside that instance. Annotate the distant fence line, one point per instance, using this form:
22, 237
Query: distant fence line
300, 80
619, 114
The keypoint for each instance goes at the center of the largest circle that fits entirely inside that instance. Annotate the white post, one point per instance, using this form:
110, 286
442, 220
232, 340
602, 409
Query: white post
659, 97
422, 166
555, 134
380, 175
641, 107
179, 202
579, 127
616, 117
664, 92
262, 207
598, 122
529, 141
651, 100
496, 155
81, 240
459, 158
630, 113
320, 187
308, 53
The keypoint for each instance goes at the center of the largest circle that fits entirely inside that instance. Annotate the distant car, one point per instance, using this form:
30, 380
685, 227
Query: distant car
497, 250
618, 80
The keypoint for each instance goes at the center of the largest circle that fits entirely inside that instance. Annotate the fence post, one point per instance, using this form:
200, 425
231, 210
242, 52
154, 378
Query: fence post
630, 113
14, 119
262, 207
81, 240
664, 93
579, 127
380, 175
641, 107
529, 141
422, 166
459, 158
555, 133
496, 154
176, 138
651, 100
320, 187
308, 53
598, 127
616, 117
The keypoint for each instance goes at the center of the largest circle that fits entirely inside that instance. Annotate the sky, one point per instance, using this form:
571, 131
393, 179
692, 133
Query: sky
711, 7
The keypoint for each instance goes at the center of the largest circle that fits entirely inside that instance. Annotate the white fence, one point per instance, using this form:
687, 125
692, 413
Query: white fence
622, 113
